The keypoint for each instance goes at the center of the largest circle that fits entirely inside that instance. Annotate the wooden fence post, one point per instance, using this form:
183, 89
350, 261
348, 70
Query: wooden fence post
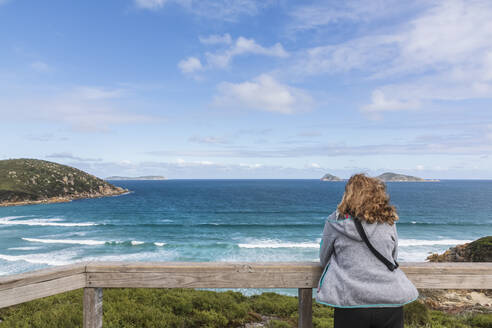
93, 311
305, 307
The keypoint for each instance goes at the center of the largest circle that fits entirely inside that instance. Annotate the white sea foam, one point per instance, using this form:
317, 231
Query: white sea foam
33, 258
51, 258
90, 242
56, 222
159, 244
160, 255
23, 248
277, 244
424, 242
412, 256
66, 241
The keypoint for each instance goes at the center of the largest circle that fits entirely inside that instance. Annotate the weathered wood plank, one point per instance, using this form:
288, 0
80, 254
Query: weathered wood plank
27, 286
21, 294
449, 281
23, 279
204, 279
93, 309
270, 275
305, 308
447, 268
199, 266
203, 275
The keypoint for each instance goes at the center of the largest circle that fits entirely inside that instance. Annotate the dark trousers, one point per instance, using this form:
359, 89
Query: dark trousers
388, 317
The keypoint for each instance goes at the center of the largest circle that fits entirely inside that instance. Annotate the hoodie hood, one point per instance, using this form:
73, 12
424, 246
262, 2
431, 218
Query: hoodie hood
346, 226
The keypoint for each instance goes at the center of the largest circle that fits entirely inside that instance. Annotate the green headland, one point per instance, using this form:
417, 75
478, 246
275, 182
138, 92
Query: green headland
32, 181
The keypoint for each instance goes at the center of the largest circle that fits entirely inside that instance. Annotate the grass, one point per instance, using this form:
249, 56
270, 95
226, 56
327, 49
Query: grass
198, 308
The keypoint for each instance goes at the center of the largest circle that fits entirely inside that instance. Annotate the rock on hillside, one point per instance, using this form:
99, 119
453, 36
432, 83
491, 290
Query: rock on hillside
30, 181
479, 250
462, 300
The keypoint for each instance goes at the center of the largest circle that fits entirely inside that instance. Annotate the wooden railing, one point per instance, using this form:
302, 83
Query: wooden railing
94, 276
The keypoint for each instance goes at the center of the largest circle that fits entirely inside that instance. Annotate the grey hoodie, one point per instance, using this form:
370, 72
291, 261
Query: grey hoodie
353, 276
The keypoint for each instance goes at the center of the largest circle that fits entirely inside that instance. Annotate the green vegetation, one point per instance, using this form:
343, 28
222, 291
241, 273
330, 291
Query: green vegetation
199, 308
480, 250
29, 180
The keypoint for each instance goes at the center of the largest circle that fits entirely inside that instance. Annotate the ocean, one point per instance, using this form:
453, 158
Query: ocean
229, 220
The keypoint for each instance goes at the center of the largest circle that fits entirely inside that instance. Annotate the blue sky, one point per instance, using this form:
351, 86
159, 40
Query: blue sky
249, 89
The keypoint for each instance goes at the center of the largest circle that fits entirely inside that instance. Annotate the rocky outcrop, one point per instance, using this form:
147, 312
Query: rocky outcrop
459, 301
479, 250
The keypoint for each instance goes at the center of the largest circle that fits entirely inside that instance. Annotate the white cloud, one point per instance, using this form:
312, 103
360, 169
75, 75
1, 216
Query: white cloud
314, 166
488, 133
227, 10
251, 166
222, 58
312, 16
89, 109
96, 93
190, 65
439, 55
182, 163
208, 140
243, 46
216, 39
70, 156
380, 103
150, 4
370, 54
263, 93
40, 66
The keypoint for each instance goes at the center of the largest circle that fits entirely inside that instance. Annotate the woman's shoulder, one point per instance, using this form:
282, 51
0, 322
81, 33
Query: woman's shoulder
338, 218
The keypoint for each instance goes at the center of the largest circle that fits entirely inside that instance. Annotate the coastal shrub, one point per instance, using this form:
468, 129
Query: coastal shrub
322, 316
480, 321
443, 320
416, 313
275, 304
187, 308
278, 324
63, 310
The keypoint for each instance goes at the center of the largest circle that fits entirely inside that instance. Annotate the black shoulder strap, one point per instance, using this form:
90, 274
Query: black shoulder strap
363, 235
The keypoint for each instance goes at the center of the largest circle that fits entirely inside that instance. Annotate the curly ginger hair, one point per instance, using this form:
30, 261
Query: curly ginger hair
366, 199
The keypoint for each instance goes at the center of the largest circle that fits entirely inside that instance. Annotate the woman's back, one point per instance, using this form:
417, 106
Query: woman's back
363, 284
354, 277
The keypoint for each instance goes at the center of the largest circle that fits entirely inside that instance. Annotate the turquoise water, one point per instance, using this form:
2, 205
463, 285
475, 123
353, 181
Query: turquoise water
229, 220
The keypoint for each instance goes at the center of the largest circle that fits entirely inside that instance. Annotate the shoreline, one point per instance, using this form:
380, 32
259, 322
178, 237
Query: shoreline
63, 199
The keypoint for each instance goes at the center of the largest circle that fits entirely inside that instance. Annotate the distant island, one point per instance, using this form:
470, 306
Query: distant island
147, 177
395, 177
386, 177
31, 181
329, 177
